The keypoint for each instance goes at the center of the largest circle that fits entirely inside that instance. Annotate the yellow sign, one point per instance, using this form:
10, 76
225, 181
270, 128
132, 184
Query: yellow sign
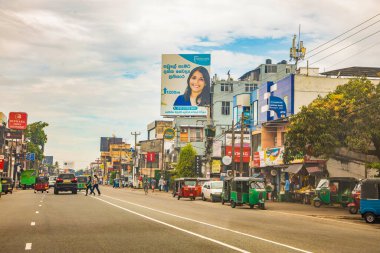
216, 166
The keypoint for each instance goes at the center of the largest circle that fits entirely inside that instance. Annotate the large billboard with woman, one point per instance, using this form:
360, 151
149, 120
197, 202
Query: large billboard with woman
185, 84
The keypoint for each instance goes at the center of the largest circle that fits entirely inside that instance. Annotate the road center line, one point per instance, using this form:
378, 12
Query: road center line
211, 225
32, 223
37, 212
28, 246
178, 228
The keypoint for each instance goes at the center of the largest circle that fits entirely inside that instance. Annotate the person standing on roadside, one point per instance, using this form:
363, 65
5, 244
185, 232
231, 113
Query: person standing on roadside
96, 184
153, 184
161, 184
89, 186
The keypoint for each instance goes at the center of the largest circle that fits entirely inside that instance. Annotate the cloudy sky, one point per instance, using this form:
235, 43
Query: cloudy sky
92, 68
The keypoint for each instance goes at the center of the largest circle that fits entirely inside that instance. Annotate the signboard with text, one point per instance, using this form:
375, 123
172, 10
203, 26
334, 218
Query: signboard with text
151, 157
18, 120
246, 153
1, 165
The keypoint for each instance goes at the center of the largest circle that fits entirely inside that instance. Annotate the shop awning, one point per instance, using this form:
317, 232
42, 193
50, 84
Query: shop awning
313, 170
294, 168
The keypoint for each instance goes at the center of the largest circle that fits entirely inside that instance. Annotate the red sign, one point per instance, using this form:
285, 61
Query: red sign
246, 153
1, 165
256, 159
17, 120
151, 157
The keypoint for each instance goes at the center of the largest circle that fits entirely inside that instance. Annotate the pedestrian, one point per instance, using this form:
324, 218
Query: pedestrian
89, 186
287, 188
153, 183
96, 184
161, 184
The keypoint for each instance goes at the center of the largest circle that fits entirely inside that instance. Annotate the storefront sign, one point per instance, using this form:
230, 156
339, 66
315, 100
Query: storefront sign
13, 134
151, 157
246, 153
277, 105
169, 134
17, 120
246, 139
216, 164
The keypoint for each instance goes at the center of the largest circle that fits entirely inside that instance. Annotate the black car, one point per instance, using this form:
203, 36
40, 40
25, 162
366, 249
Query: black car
66, 182
7, 183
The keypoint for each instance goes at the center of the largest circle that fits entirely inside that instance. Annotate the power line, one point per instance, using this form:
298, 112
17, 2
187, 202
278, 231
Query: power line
344, 33
345, 47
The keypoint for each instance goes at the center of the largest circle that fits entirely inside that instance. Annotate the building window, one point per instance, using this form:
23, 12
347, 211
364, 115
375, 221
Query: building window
196, 134
225, 108
270, 69
226, 87
287, 70
256, 142
249, 87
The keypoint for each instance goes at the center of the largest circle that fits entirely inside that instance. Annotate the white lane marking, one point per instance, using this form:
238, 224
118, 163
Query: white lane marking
39, 205
41, 201
172, 226
37, 212
211, 225
32, 223
28, 246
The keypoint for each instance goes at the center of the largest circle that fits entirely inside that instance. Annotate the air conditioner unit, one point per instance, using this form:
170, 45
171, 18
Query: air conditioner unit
230, 173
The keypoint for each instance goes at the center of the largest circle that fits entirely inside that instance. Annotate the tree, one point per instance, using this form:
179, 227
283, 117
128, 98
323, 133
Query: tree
347, 117
185, 166
37, 139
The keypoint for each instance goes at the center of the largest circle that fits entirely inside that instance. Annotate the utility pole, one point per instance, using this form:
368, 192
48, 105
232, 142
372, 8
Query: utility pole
233, 147
241, 142
299, 52
134, 154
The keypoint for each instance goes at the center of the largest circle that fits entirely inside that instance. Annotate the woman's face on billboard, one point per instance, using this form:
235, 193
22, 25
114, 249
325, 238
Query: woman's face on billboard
197, 82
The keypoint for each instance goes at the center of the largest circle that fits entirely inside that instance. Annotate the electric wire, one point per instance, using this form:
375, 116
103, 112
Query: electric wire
344, 33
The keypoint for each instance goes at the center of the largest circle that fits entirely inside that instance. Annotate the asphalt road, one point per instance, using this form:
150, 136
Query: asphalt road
126, 220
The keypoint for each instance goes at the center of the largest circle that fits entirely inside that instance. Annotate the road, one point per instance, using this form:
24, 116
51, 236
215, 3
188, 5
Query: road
127, 220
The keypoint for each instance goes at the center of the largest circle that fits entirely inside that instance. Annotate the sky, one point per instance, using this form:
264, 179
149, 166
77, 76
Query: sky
93, 68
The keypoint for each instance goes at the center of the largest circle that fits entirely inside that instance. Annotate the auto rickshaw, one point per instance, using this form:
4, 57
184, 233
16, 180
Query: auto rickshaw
7, 185
334, 190
248, 190
370, 200
354, 206
186, 188
226, 192
41, 184
81, 181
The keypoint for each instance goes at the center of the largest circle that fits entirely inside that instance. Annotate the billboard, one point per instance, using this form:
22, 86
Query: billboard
185, 84
17, 120
106, 141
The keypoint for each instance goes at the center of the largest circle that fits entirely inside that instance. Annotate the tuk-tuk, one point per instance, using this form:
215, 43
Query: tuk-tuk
41, 184
186, 188
248, 190
81, 181
226, 192
354, 206
7, 185
370, 200
28, 179
334, 190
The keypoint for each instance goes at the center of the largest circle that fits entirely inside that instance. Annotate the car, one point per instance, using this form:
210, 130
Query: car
66, 182
52, 181
212, 190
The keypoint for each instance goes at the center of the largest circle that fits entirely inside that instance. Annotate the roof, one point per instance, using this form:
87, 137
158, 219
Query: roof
354, 71
294, 168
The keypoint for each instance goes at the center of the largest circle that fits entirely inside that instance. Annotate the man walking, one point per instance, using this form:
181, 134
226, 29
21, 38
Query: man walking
96, 184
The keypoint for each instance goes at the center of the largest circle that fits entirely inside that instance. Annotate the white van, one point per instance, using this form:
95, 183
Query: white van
212, 190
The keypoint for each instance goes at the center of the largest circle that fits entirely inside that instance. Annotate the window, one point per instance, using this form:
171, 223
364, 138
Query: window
270, 69
225, 108
196, 134
249, 87
226, 87
287, 70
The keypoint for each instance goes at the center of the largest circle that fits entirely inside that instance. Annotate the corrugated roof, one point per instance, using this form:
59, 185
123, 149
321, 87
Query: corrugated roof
354, 71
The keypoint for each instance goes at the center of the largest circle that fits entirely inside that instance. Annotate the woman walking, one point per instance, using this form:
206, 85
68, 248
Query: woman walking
89, 186
96, 184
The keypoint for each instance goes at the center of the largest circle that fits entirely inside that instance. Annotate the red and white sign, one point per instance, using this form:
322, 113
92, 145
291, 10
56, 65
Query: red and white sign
151, 157
246, 153
1, 165
18, 120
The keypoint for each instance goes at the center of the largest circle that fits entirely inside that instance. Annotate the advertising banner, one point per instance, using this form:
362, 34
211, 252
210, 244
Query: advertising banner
151, 157
217, 149
17, 120
1, 165
271, 157
246, 139
185, 84
216, 165
246, 153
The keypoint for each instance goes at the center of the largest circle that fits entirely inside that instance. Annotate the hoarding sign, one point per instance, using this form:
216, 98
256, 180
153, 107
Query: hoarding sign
169, 134
185, 84
246, 153
18, 120
277, 105
246, 139
216, 165
198, 165
1, 165
151, 157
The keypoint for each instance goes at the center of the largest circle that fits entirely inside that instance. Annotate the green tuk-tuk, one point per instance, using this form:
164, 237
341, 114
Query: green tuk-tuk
248, 190
82, 181
335, 190
28, 179
226, 192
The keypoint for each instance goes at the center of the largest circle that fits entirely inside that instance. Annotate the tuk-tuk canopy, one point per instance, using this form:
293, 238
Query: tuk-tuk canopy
42, 179
370, 189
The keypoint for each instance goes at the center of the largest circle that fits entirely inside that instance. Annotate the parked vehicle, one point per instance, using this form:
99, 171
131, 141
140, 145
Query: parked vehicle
212, 190
52, 181
7, 185
370, 200
186, 188
354, 206
226, 191
82, 180
41, 184
66, 182
248, 190
334, 190
28, 179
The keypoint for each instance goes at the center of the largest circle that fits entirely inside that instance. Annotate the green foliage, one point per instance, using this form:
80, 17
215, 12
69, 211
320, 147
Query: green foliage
37, 136
347, 117
185, 166
375, 165
112, 177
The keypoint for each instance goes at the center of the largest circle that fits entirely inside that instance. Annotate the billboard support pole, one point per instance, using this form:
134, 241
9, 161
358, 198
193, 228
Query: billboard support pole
233, 147
241, 143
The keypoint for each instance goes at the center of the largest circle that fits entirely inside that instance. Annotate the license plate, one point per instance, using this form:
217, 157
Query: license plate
66, 181
191, 195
